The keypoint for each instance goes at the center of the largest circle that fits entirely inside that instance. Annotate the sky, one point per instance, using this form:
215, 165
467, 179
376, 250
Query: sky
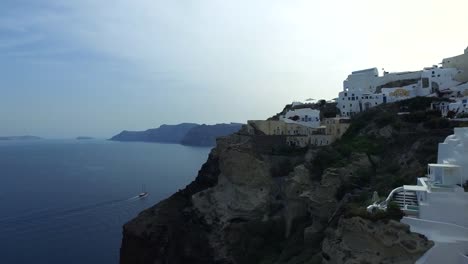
95, 67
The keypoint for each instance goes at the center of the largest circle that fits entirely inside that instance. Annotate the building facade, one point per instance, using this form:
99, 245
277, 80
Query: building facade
459, 62
298, 135
302, 116
437, 206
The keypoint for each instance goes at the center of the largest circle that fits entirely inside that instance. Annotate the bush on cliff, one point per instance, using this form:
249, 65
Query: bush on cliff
393, 212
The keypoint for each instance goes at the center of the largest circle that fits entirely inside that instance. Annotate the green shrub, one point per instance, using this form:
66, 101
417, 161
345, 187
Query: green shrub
416, 117
385, 118
326, 157
364, 144
393, 212
462, 115
437, 123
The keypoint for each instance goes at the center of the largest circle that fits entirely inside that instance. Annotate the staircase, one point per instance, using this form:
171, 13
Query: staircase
407, 200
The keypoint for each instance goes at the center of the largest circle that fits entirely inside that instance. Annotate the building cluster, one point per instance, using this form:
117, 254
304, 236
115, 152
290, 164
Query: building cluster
437, 206
366, 88
303, 124
297, 134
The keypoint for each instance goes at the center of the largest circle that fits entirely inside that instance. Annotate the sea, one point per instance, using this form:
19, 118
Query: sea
65, 201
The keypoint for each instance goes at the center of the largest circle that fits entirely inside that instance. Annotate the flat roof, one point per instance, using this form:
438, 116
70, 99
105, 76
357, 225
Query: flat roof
414, 188
443, 165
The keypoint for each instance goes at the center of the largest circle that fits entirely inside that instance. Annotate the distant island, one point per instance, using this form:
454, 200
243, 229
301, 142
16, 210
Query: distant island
189, 134
19, 138
83, 138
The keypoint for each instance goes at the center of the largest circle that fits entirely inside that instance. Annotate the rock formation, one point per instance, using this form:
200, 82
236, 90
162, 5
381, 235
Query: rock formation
257, 201
357, 240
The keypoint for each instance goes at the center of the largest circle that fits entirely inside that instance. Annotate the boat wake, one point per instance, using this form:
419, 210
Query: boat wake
61, 220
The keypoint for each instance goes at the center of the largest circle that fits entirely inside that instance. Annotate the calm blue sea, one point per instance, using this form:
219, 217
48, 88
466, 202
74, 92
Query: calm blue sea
65, 201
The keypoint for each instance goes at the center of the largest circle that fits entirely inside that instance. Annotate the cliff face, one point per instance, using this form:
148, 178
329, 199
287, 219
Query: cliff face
357, 240
254, 203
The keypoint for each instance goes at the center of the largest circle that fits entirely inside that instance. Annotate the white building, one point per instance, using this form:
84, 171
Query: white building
369, 81
365, 89
435, 78
459, 62
351, 102
437, 206
302, 116
460, 106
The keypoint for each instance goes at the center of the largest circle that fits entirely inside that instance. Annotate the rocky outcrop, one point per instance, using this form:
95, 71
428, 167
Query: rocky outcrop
171, 231
257, 202
357, 240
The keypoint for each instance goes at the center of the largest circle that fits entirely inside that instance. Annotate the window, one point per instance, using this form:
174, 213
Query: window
425, 82
345, 94
350, 105
433, 72
343, 106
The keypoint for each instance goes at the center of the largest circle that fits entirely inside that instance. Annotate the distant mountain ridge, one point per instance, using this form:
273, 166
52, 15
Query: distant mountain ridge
205, 135
19, 138
186, 133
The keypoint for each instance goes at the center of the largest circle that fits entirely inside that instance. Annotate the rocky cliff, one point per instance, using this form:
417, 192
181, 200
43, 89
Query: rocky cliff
255, 202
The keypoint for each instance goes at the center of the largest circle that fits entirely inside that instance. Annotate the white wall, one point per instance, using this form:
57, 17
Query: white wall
444, 77
454, 150
351, 102
448, 207
307, 117
362, 80
368, 80
451, 241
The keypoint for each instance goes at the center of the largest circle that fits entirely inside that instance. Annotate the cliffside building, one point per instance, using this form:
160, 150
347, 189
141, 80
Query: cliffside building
459, 62
299, 135
303, 116
365, 89
438, 205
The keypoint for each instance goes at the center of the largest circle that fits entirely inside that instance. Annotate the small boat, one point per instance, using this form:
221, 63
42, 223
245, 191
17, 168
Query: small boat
143, 193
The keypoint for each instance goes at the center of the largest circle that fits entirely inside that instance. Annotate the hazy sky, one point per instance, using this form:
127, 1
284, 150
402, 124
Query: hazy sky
95, 67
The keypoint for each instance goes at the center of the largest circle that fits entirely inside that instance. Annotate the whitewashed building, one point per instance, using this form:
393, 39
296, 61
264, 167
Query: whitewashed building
369, 81
302, 116
437, 206
438, 79
352, 102
459, 62
365, 89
